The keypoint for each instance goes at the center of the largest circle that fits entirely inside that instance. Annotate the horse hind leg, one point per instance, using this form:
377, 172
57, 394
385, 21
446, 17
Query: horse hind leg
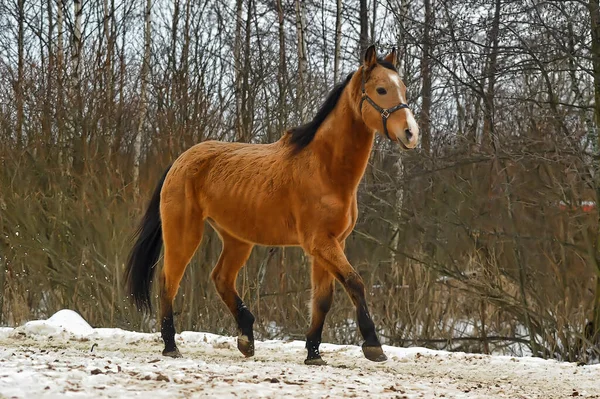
234, 255
182, 233
322, 298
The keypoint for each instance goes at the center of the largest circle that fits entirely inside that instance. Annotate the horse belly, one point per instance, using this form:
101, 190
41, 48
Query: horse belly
245, 191
249, 214
258, 225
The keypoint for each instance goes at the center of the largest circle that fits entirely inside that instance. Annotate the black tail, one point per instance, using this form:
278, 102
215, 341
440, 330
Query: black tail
145, 252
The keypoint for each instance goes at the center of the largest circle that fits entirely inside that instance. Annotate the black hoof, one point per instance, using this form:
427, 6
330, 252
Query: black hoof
374, 353
245, 346
174, 353
317, 361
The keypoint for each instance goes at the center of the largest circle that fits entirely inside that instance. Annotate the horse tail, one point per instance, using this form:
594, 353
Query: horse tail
145, 252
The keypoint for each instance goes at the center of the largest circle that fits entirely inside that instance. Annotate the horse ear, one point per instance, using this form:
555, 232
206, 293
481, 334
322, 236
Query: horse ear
370, 56
392, 57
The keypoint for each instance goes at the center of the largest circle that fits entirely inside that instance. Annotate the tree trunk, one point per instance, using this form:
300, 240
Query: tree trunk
373, 21
247, 114
338, 41
401, 43
108, 72
60, 56
120, 117
488, 123
172, 58
78, 133
137, 147
20, 71
238, 65
364, 27
425, 119
76, 60
594, 7
302, 58
184, 68
396, 243
172, 78
261, 61
324, 38
282, 75
48, 101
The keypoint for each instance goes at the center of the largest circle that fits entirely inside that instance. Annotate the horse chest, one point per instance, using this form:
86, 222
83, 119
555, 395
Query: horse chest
338, 217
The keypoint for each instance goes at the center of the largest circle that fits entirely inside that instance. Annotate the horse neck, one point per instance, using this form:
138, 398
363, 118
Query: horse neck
345, 143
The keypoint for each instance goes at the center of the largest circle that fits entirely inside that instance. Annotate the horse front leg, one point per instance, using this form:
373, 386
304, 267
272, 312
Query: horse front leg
322, 298
327, 251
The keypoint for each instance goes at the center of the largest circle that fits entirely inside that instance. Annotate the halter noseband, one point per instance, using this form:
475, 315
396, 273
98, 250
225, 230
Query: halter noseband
385, 113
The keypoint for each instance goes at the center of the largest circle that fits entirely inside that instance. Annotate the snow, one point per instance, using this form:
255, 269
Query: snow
62, 322
65, 356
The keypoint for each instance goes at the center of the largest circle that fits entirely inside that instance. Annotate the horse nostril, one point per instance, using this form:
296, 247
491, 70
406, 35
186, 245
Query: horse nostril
408, 134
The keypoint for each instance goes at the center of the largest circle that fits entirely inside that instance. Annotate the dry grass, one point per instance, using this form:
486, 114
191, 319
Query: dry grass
452, 281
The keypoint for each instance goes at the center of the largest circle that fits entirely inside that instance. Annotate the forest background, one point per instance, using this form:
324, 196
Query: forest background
484, 239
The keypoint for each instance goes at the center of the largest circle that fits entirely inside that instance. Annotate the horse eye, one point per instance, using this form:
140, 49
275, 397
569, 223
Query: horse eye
381, 91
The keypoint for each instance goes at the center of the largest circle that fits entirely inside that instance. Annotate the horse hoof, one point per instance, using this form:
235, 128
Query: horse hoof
374, 353
245, 346
175, 354
317, 361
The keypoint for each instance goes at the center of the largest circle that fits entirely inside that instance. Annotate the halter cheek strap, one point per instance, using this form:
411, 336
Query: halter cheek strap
385, 113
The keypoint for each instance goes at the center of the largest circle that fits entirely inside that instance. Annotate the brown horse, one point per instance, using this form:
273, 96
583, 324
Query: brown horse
298, 191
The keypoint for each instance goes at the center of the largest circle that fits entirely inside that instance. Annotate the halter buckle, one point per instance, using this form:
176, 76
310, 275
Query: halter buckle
385, 114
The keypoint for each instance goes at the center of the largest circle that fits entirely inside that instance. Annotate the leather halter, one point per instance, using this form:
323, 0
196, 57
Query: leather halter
385, 113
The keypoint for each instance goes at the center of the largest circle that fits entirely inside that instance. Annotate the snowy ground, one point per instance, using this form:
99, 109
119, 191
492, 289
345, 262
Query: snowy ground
54, 358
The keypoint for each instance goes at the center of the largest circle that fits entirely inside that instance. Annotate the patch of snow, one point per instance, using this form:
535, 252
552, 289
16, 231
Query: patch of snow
66, 322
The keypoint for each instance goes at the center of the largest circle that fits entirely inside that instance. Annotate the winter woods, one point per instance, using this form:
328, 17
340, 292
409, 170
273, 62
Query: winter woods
484, 239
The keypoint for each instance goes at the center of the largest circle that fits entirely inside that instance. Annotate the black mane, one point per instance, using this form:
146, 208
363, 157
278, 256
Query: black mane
386, 64
302, 136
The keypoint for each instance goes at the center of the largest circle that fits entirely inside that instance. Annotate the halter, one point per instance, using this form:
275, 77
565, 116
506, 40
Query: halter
385, 113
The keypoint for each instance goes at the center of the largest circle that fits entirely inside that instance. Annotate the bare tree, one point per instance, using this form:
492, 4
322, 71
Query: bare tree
247, 96
338, 41
594, 7
374, 21
425, 116
137, 146
364, 27
282, 72
20, 70
302, 56
493, 38
238, 65
502, 240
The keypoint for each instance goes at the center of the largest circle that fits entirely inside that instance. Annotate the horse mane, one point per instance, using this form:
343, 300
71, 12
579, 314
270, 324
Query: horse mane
303, 135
